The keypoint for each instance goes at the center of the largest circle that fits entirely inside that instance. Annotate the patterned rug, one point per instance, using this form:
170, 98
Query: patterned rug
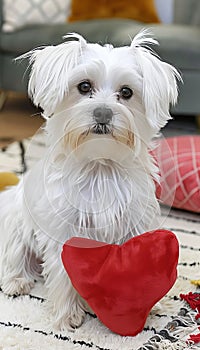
25, 323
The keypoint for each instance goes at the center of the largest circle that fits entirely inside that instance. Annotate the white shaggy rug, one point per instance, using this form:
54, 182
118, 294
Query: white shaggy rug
25, 323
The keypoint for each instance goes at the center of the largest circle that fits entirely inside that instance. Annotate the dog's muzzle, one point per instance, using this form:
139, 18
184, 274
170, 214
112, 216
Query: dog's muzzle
102, 117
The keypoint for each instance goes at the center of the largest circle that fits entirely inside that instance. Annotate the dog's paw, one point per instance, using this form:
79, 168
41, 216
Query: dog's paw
16, 285
71, 321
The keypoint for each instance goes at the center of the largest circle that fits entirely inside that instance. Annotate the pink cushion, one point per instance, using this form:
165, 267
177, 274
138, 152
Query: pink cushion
179, 162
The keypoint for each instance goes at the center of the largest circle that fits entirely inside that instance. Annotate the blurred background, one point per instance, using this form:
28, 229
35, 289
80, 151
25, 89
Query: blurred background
26, 24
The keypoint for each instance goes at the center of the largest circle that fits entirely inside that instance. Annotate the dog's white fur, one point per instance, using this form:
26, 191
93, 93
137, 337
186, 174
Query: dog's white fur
86, 184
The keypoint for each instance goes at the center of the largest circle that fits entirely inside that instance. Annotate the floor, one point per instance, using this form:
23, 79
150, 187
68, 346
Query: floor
19, 119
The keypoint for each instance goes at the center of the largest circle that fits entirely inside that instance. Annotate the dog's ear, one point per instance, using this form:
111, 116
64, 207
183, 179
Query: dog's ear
159, 81
50, 69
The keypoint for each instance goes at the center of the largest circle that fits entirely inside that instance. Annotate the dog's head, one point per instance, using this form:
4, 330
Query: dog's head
100, 93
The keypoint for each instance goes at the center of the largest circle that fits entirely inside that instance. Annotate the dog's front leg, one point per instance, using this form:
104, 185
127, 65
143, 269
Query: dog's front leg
67, 306
16, 275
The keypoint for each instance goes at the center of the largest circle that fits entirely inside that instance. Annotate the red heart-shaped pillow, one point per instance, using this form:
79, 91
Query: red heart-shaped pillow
121, 283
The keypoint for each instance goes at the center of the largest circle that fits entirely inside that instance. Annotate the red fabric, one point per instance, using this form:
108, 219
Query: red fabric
195, 338
178, 159
193, 299
122, 283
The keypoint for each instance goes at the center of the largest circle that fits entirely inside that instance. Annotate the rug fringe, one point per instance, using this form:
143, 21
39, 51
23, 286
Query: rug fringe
174, 335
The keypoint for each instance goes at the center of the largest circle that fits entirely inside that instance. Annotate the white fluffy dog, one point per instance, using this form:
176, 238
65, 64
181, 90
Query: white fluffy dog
102, 106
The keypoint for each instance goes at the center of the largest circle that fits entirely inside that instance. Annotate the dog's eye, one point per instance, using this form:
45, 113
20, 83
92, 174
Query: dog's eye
125, 93
84, 87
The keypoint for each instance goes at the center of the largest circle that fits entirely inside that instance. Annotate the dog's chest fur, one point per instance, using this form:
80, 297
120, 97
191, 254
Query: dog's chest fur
100, 200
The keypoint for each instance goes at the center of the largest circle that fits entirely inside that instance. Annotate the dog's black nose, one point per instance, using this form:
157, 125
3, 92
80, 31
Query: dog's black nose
103, 115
